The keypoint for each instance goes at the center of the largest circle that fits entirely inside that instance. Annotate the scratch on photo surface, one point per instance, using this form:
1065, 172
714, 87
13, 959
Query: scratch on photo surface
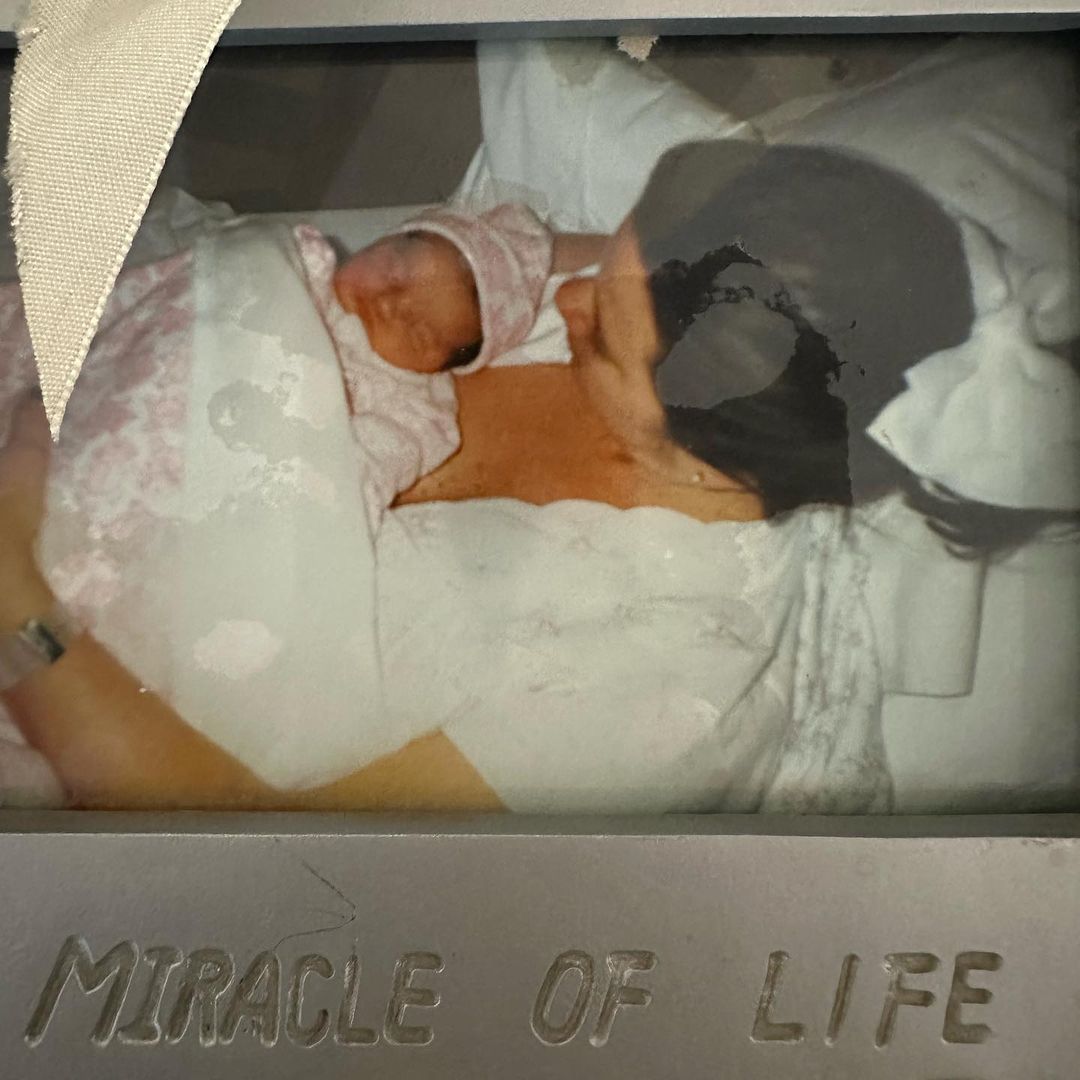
345, 919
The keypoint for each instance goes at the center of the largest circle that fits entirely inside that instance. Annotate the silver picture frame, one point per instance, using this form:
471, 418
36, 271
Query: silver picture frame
244, 945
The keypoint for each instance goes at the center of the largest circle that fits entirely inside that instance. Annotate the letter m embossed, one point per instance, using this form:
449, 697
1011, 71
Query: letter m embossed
75, 957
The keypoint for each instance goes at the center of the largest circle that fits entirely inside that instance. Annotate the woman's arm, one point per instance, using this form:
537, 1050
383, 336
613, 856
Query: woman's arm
111, 743
572, 252
116, 745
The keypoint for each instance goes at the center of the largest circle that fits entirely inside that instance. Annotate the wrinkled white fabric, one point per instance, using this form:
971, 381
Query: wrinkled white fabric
925, 605
573, 128
996, 419
637, 47
547, 342
99, 91
588, 659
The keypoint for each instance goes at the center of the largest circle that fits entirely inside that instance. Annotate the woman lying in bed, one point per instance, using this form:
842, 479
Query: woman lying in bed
706, 650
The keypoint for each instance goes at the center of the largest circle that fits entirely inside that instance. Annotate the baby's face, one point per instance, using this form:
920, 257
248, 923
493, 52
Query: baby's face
416, 296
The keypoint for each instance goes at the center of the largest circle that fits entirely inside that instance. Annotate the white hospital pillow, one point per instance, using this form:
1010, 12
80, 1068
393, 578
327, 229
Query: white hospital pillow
349, 230
988, 125
573, 128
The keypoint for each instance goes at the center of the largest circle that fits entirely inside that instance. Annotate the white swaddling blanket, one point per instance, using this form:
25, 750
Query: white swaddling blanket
204, 512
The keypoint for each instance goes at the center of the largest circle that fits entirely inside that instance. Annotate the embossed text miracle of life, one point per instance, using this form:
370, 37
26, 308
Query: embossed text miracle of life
206, 996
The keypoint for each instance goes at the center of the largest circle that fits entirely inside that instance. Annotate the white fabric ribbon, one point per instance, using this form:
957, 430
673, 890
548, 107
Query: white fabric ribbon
100, 89
997, 418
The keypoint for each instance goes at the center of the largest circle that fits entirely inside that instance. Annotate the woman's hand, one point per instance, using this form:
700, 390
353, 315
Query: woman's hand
616, 347
24, 465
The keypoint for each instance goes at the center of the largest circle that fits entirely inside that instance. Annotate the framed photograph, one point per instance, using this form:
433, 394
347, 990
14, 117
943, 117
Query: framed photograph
540, 543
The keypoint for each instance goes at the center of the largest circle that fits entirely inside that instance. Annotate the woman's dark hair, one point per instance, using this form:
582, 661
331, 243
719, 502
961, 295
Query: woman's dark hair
866, 270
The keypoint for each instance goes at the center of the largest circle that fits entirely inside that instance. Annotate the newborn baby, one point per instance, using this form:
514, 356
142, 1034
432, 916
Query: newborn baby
449, 290
444, 294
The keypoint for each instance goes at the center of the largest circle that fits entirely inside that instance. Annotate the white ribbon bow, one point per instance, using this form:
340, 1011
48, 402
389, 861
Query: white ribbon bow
99, 91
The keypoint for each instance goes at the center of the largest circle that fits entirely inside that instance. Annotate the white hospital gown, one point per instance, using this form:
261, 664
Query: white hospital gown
590, 659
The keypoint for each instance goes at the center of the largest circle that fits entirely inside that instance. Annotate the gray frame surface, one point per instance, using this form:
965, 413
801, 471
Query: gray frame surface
926, 948
767, 949
262, 21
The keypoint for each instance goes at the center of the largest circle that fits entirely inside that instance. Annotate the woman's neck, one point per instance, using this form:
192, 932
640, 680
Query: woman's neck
529, 433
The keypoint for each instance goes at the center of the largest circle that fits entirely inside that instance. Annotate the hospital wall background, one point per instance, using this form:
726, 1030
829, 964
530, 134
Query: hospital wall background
340, 126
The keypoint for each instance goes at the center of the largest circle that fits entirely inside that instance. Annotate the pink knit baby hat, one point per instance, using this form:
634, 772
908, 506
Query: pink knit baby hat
509, 251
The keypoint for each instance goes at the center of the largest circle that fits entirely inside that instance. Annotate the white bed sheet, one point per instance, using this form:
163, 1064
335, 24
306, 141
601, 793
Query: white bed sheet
1014, 741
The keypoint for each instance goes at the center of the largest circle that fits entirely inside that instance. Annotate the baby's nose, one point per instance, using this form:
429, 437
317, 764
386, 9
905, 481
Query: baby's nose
361, 275
375, 269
